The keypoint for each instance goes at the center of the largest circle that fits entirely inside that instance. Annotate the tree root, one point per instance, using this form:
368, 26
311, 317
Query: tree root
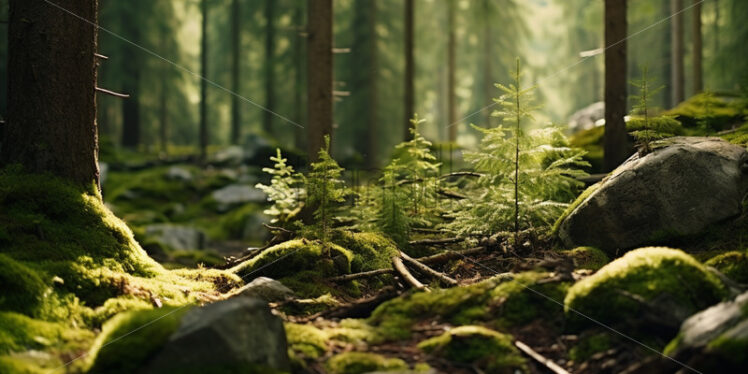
435, 241
548, 363
450, 255
357, 309
365, 274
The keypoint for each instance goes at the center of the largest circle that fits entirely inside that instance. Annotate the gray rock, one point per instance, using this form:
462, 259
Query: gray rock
266, 289
683, 186
237, 194
179, 173
177, 237
586, 118
233, 155
233, 335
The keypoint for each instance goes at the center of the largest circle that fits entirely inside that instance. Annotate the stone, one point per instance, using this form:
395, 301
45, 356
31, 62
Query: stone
236, 335
266, 289
176, 237
587, 117
233, 155
679, 189
179, 173
234, 194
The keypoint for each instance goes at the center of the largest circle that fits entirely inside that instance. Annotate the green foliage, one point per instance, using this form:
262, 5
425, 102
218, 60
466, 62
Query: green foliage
527, 179
476, 345
645, 127
362, 362
391, 218
326, 191
284, 190
647, 273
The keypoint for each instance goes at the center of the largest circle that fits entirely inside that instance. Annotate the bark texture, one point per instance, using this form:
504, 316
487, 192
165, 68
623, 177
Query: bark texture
409, 69
236, 32
451, 56
676, 55
615, 142
204, 83
51, 124
320, 68
698, 49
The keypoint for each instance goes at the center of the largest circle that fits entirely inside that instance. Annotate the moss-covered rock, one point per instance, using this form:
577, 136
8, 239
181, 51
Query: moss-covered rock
297, 255
118, 350
497, 301
371, 250
708, 113
305, 340
591, 140
655, 274
361, 362
588, 258
476, 345
733, 264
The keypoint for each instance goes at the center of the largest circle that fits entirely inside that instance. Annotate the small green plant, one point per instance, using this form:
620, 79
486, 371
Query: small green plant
527, 179
642, 125
392, 219
284, 191
326, 191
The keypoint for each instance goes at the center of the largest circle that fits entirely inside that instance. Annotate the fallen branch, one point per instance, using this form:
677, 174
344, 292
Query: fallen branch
97, 55
427, 270
451, 194
274, 229
548, 363
397, 263
450, 255
365, 274
435, 241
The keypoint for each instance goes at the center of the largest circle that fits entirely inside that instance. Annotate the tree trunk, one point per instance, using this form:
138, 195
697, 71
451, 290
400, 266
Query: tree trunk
51, 124
267, 122
236, 38
363, 79
409, 68
204, 83
164, 98
676, 25
131, 85
488, 80
615, 142
666, 53
451, 103
319, 74
698, 49
299, 68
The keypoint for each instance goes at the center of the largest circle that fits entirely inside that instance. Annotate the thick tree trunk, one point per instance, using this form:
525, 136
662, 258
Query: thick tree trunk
203, 82
678, 92
409, 68
363, 78
615, 142
299, 69
163, 134
698, 49
267, 121
51, 124
236, 38
666, 53
451, 46
131, 85
320, 68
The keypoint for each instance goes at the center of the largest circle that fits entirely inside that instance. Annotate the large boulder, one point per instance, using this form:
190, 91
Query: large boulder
683, 186
236, 335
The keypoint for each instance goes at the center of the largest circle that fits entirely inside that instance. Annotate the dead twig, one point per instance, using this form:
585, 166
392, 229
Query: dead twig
365, 274
427, 270
397, 262
450, 255
548, 363
435, 241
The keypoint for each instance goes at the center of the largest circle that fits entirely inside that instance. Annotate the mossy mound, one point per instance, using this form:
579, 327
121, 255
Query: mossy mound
589, 344
708, 112
650, 273
118, 350
360, 362
498, 301
476, 345
371, 250
591, 140
305, 340
297, 255
68, 264
733, 264
588, 258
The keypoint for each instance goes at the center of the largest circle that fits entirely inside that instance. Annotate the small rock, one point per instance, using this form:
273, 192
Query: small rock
177, 237
233, 335
237, 194
233, 155
586, 118
179, 173
267, 289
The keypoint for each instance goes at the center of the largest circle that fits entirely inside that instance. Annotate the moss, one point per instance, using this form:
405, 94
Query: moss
708, 113
117, 350
501, 302
731, 349
739, 136
591, 141
648, 273
371, 250
15, 365
475, 345
20, 333
306, 307
298, 255
360, 362
582, 197
21, 289
733, 264
307, 340
588, 258
589, 345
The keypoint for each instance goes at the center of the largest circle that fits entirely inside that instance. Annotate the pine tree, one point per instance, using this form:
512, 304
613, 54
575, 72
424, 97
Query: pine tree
284, 190
391, 217
326, 191
643, 126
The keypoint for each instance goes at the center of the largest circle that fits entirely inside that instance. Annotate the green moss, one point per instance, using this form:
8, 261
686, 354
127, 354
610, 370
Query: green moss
298, 255
371, 250
588, 258
20, 333
648, 273
479, 346
306, 307
360, 362
117, 350
739, 136
708, 113
589, 345
731, 349
733, 264
16, 365
306, 340
21, 289
582, 197
496, 300
591, 140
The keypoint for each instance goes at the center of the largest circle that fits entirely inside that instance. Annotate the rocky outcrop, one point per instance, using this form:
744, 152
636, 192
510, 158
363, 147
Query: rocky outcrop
236, 335
683, 186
